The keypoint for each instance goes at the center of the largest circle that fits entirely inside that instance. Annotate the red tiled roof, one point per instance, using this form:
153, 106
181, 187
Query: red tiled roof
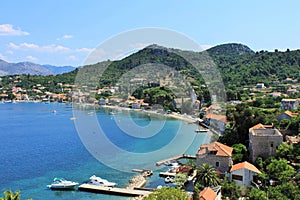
207, 194
261, 126
244, 165
291, 114
221, 118
221, 149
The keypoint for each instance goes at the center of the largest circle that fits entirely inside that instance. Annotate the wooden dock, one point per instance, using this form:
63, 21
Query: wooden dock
114, 190
175, 158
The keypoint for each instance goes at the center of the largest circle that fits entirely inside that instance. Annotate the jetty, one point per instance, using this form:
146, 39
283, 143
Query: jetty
175, 158
114, 190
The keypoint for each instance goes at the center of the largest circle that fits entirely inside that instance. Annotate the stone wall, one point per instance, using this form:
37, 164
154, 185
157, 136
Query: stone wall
225, 162
264, 146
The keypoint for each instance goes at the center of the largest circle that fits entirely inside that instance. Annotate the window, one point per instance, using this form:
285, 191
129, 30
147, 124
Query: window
271, 144
237, 177
217, 164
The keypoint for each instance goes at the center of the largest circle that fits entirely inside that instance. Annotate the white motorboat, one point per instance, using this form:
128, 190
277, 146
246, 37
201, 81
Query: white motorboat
61, 183
95, 180
169, 179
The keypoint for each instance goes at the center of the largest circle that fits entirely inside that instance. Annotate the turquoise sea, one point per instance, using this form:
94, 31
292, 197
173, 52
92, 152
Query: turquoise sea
38, 145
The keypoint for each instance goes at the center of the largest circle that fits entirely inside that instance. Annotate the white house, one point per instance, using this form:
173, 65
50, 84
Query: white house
243, 173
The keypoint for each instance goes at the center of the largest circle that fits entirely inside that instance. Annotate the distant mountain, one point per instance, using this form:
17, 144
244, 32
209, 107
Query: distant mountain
231, 49
7, 68
59, 69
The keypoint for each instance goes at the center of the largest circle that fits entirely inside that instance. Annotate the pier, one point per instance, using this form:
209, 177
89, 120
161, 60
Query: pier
114, 190
175, 158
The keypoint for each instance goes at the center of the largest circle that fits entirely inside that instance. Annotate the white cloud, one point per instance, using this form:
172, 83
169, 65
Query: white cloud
31, 58
87, 50
13, 46
55, 48
73, 58
10, 52
2, 57
9, 30
67, 36
47, 48
29, 46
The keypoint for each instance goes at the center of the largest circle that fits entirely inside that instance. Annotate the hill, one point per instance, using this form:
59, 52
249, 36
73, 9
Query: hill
231, 49
7, 68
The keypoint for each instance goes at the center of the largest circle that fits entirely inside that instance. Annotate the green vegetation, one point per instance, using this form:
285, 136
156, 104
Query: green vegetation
167, 193
207, 176
9, 195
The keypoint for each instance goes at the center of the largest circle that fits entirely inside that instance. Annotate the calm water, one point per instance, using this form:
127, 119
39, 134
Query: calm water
38, 145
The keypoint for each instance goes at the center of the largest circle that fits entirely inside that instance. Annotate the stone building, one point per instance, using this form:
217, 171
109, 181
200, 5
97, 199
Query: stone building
243, 173
289, 104
215, 154
263, 141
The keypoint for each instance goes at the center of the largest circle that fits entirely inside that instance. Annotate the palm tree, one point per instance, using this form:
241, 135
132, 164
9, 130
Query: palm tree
9, 195
207, 176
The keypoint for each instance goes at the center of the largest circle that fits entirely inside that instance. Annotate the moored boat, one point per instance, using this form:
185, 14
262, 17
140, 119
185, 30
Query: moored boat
95, 180
61, 183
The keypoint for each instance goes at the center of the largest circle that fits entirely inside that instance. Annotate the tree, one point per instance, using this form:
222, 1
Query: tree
207, 175
167, 193
285, 191
230, 189
240, 153
280, 169
9, 195
284, 149
256, 194
180, 179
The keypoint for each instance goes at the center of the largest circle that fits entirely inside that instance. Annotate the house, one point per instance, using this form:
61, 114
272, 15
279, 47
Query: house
260, 85
291, 91
209, 194
286, 115
102, 102
289, 104
263, 141
217, 122
243, 173
178, 102
276, 94
215, 154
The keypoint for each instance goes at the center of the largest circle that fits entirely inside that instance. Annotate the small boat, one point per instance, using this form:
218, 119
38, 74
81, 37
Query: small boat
61, 183
95, 180
168, 179
200, 130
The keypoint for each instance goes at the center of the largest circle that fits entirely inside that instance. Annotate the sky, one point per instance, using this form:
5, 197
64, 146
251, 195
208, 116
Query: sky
66, 32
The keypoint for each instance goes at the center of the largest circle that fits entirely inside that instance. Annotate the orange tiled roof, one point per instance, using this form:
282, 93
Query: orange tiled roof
207, 194
291, 114
261, 126
222, 149
245, 165
221, 118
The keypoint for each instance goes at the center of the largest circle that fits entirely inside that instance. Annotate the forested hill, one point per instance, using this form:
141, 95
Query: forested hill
262, 66
237, 63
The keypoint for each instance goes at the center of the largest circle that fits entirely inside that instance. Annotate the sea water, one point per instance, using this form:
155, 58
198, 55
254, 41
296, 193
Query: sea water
38, 144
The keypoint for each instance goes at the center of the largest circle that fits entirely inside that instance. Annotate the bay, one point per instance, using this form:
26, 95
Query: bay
38, 145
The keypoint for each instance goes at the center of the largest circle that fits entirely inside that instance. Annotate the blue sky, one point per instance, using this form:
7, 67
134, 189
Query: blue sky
65, 32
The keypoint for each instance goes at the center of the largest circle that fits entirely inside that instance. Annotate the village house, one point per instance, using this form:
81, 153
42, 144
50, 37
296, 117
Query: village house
289, 104
210, 194
263, 141
260, 85
215, 154
286, 115
291, 91
217, 122
243, 173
